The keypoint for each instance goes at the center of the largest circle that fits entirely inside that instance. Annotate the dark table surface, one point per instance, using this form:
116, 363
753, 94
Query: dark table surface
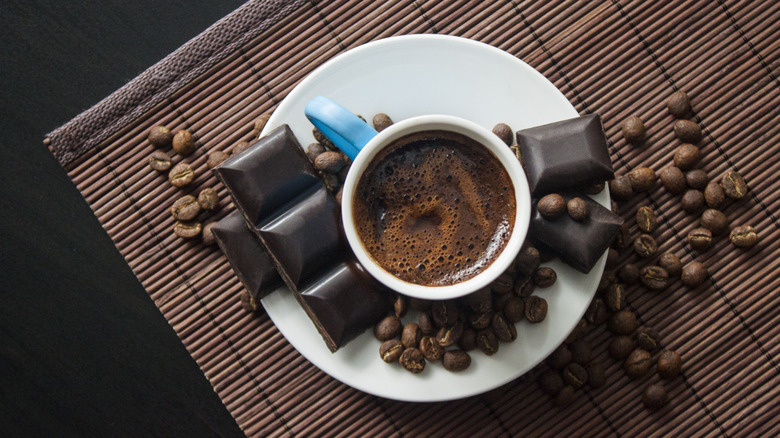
83, 349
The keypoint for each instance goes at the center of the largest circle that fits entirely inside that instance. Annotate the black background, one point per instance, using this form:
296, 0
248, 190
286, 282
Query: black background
83, 349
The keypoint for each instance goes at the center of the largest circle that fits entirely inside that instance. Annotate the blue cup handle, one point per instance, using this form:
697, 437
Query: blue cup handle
341, 126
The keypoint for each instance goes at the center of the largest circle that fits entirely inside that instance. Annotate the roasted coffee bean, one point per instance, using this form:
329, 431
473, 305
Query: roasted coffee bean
468, 340
633, 130
527, 261
323, 140
608, 278
620, 347
247, 302
692, 201
524, 286
645, 246
615, 298
578, 332
671, 263
597, 312
654, 277
160, 136
560, 357
444, 313
696, 179
331, 181
431, 349
687, 131
390, 351
694, 274
420, 304
686, 156
449, 336
733, 185
700, 238
456, 360
239, 147
642, 179
620, 188
577, 209
183, 142
499, 301
502, 284
669, 364
504, 132
208, 199
313, 150
715, 221
679, 105
565, 396
743, 236
216, 158
622, 322
613, 258
181, 175
551, 206
487, 342
713, 195
623, 237
479, 301
480, 320
208, 234
673, 180
629, 273
655, 397
535, 309
551, 382
544, 277
647, 338
259, 124
425, 323
594, 189
160, 161
575, 375
514, 309
597, 376
411, 335
388, 328
581, 352
381, 121
330, 161
185, 208
646, 219
505, 331
412, 360
187, 230
638, 363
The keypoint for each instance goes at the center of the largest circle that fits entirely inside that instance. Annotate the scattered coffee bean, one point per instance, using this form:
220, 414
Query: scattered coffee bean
313, 150
183, 142
431, 349
686, 156
647, 338
505, 331
247, 302
560, 357
160, 161
615, 298
654, 397
388, 328
642, 179
468, 340
502, 284
597, 312
208, 199
646, 219
425, 322
504, 132
597, 376
411, 335
577, 209
633, 130
240, 147
187, 230
743, 236
456, 360
514, 309
259, 124
487, 342
544, 277
623, 237
216, 158
390, 350
638, 363
700, 238
331, 181
679, 105
449, 336
578, 332
535, 309
697, 179
208, 234
160, 136
715, 221
581, 352
620, 347
551, 206
527, 261
479, 301
181, 175
565, 396
620, 188
400, 306
713, 195
444, 313
381, 121
734, 185
629, 273
323, 140
671, 263
645, 245
551, 382
330, 161
607, 279
694, 274
412, 360
692, 201
623, 322
687, 131
669, 364
185, 208
613, 258
673, 180
480, 320
575, 375
654, 277
594, 189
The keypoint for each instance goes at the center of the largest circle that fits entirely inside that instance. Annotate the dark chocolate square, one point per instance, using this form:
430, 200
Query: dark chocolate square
570, 154
578, 244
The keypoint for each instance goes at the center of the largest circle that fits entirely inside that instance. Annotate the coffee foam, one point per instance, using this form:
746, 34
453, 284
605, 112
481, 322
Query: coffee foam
434, 208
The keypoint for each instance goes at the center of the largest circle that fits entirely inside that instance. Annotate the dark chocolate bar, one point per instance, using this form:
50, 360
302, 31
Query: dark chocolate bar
579, 244
247, 256
564, 155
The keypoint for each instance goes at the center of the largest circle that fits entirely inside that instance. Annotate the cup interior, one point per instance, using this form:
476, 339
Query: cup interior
460, 126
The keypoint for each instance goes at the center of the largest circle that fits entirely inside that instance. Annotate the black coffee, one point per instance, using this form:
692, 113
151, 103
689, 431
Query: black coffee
434, 208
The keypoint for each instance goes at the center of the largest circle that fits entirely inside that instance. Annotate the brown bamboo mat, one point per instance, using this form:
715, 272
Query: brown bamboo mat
617, 58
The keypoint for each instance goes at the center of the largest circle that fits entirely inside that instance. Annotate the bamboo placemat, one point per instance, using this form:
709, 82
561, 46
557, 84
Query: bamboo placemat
617, 58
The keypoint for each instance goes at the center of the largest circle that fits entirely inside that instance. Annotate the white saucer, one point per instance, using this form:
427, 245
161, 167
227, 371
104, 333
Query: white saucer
430, 74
